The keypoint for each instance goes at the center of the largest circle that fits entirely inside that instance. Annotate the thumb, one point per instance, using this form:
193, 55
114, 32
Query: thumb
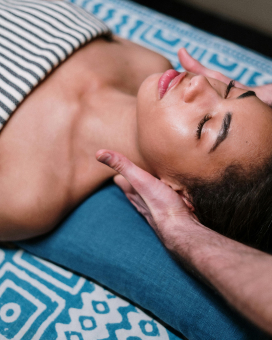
155, 193
192, 65
189, 63
144, 183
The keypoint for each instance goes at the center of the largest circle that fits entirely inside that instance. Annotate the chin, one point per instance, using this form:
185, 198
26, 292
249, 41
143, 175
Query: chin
147, 99
146, 112
149, 87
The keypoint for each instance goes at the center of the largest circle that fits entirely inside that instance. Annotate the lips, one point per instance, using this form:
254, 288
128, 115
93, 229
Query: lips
168, 80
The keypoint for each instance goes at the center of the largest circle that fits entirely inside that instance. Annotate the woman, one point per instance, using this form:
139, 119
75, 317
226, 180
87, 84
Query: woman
183, 128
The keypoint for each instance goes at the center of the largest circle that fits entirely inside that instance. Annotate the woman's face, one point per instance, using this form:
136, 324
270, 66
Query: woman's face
197, 128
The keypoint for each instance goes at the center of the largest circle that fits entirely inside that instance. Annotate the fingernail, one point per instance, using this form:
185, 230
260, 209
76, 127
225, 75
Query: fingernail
104, 158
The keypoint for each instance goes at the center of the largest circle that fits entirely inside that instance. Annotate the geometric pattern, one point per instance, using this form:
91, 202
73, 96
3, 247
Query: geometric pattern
39, 300
166, 35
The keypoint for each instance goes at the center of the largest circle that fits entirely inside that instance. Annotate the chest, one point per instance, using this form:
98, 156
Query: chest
56, 131
119, 64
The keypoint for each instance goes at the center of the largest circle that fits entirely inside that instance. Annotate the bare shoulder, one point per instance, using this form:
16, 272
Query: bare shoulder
23, 216
32, 198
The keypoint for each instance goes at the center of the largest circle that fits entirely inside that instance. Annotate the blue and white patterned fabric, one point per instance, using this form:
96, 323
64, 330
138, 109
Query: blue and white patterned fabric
166, 35
42, 301
39, 300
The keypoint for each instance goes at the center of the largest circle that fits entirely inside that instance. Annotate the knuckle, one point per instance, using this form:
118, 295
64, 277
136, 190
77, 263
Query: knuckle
120, 164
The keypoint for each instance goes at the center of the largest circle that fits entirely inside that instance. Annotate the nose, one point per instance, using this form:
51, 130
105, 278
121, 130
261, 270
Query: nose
195, 88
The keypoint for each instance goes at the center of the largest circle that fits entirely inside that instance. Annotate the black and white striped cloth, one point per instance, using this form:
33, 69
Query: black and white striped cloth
35, 37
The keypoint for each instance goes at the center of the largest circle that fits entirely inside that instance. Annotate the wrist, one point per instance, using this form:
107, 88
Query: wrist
196, 244
180, 232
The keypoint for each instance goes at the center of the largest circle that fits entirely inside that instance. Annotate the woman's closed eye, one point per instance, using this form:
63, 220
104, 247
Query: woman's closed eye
208, 116
229, 87
201, 124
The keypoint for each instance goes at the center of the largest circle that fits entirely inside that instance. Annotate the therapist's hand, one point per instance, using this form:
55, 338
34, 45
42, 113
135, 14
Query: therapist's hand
163, 208
264, 92
242, 275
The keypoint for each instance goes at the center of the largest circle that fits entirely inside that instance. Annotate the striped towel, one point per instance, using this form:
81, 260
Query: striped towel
35, 37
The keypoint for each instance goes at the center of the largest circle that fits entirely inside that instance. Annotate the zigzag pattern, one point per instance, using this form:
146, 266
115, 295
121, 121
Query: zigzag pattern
166, 35
39, 300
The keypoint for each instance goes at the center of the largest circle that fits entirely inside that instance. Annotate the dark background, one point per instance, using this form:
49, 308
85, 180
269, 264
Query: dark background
229, 30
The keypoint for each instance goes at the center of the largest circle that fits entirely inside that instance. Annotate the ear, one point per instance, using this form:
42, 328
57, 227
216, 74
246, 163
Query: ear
187, 200
182, 191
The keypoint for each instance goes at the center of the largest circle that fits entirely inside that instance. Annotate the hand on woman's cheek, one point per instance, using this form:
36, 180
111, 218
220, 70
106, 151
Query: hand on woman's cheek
190, 64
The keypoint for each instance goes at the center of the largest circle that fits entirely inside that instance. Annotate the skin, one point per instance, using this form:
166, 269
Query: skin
167, 127
242, 275
47, 164
264, 92
48, 147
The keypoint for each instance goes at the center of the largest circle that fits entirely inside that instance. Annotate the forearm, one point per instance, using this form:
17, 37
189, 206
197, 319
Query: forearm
241, 274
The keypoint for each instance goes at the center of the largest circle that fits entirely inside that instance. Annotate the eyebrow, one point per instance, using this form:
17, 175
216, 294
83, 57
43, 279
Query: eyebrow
224, 131
247, 94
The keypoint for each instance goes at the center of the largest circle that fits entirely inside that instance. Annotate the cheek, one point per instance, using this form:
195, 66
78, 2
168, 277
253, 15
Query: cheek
166, 134
147, 116
150, 139
164, 138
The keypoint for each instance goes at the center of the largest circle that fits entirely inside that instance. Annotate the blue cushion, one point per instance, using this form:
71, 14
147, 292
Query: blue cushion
108, 241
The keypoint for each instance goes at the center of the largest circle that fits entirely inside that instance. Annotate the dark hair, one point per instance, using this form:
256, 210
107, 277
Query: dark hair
238, 204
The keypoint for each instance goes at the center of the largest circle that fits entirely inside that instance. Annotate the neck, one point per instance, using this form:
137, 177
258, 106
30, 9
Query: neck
120, 128
128, 142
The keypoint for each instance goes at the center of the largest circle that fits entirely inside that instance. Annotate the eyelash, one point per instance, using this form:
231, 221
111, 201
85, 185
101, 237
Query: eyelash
207, 116
201, 124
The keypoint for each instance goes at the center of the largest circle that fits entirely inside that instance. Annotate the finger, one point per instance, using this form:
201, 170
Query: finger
123, 184
192, 65
142, 181
150, 196
129, 191
264, 92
